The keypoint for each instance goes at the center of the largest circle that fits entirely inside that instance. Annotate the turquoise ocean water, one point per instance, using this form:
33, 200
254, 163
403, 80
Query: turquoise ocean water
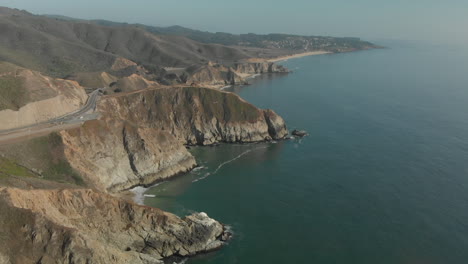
382, 178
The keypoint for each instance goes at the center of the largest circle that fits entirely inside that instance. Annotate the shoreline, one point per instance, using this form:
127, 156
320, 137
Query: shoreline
138, 192
298, 55
247, 77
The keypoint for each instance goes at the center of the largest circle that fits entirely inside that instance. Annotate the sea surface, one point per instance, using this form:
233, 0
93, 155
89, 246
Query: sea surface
382, 178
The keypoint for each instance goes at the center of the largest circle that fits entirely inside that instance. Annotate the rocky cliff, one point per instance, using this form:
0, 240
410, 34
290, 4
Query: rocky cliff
196, 116
83, 226
211, 75
259, 68
113, 155
216, 75
140, 137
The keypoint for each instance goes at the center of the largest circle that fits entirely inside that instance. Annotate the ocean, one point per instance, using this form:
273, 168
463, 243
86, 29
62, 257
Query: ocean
382, 177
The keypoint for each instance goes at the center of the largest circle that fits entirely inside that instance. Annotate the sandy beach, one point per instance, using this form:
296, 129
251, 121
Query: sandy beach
311, 53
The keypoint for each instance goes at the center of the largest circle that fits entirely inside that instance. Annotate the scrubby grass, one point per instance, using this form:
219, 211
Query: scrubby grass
56, 166
6, 67
20, 59
60, 67
10, 168
57, 171
44, 155
12, 93
224, 106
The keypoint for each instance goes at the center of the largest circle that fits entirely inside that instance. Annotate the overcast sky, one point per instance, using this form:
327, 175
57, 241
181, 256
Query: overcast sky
434, 20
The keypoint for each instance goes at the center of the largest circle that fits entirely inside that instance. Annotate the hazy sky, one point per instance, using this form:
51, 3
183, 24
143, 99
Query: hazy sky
436, 20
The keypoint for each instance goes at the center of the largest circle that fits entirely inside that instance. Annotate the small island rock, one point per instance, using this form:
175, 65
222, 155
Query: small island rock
299, 133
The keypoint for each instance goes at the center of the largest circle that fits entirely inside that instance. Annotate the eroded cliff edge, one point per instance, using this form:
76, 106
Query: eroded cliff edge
84, 226
217, 75
140, 137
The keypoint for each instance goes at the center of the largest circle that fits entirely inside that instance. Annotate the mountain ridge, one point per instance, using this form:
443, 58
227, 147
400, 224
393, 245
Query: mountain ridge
64, 47
223, 38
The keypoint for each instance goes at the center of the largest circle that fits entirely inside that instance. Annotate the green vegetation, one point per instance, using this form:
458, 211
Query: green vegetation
188, 101
12, 93
56, 167
10, 168
19, 59
60, 67
43, 155
48, 50
63, 172
96, 47
224, 106
93, 79
281, 41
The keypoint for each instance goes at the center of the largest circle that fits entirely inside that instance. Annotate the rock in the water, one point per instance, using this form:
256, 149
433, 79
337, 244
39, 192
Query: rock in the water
299, 133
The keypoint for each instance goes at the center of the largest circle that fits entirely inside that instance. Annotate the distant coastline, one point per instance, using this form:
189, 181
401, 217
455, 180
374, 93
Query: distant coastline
272, 60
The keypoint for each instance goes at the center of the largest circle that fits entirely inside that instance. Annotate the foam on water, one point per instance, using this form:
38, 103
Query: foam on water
225, 163
253, 76
139, 193
199, 168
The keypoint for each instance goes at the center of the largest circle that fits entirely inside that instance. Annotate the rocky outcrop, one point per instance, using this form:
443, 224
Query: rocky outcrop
125, 76
215, 75
196, 116
83, 226
93, 79
208, 75
235, 78
131, 83
299, 133
259, 68
140, 137
113, 155
122, 64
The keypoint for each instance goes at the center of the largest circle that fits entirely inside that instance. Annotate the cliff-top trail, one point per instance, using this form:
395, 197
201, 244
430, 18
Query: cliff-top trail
90, 109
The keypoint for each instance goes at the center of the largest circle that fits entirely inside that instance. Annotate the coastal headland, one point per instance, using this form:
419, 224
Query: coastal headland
101, 108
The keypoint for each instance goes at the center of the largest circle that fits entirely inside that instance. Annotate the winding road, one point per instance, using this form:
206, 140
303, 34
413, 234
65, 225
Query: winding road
70, 120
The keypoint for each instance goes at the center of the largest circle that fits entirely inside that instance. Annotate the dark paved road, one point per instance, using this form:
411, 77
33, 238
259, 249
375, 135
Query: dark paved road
87, 112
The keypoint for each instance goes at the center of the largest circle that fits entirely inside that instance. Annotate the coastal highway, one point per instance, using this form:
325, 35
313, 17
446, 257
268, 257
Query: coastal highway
70, 120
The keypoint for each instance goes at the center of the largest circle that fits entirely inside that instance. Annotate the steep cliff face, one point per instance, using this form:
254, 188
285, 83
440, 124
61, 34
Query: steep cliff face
209, 75
83, 226
140, 137
216, 76
259, 68
114, 155
198, 116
